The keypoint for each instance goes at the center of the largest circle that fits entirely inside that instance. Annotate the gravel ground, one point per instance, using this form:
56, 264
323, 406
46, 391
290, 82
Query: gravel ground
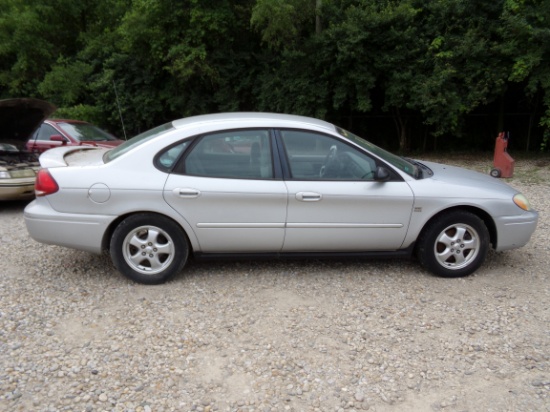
276, 335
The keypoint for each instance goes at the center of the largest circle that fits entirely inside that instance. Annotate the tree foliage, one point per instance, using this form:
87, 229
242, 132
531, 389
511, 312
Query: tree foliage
527, 45
425, 65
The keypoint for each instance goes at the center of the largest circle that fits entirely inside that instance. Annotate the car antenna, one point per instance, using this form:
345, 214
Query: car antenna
119, 111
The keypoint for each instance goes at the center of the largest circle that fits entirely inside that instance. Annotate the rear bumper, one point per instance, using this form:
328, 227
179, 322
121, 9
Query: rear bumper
515, 231
76, 231
17, 191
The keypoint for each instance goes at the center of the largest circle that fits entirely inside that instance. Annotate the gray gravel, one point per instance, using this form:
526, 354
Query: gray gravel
275, 335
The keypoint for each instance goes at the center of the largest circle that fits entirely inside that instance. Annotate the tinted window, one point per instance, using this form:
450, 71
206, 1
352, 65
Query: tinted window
313, 156
241, 154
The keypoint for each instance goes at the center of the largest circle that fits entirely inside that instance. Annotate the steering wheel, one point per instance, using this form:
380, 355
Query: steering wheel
329, 160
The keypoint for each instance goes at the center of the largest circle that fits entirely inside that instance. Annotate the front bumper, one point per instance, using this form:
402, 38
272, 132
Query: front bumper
76, 231
515, 231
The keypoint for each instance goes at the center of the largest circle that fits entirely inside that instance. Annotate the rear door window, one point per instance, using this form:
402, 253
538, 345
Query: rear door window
237, 154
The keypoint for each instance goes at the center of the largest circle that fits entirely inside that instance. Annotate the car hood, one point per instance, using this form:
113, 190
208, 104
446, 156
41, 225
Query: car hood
19, 118
454, 176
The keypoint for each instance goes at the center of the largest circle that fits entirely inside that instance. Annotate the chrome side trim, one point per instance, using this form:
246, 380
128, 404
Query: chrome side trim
345, 225
240, 225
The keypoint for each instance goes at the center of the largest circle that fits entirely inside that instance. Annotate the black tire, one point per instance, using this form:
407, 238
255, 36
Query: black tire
454, 244
495, 173
149, 248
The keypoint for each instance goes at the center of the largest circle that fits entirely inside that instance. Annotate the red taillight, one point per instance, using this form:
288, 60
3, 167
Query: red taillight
45, 183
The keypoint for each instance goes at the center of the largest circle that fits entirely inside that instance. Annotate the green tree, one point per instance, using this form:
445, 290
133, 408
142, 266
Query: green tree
461, 67
284, 23
526, 34
33, 35
174, 59
429, 63
439, 60
377, 47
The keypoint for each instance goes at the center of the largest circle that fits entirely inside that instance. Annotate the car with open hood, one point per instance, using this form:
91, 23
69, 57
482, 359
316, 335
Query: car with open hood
19, 118
67, 132
264, 184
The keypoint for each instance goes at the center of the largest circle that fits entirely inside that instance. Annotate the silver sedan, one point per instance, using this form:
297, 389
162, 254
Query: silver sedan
259, 184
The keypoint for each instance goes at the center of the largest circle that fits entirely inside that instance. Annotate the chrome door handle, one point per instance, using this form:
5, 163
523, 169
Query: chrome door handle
186, 192
308, 196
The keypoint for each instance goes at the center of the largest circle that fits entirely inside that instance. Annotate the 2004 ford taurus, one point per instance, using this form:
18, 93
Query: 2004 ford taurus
251, 184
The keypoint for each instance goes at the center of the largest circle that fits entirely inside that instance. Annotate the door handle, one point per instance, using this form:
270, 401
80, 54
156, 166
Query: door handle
308, 196
186, 192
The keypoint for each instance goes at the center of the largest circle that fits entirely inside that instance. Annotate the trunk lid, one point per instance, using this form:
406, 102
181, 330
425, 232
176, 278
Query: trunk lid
72, 156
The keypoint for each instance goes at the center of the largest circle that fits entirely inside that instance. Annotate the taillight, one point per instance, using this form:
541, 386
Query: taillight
45, 183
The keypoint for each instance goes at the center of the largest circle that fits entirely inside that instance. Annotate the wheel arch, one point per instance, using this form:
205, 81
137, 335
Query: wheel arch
108, 235
483, 215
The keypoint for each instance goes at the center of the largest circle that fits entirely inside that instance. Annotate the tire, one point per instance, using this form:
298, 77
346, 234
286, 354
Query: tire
495, 173
454, 244
149, 248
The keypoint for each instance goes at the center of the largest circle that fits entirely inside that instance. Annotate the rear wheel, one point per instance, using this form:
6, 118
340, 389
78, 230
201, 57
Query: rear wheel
454, 244
149, 248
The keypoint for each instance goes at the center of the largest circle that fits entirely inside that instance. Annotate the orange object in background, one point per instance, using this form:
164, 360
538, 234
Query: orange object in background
503, 162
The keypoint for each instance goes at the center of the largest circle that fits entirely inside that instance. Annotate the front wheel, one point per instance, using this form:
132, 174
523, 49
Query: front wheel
149, 248
454, 244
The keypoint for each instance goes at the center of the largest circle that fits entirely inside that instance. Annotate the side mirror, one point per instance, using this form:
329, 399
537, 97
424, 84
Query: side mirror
382, 174
58, 138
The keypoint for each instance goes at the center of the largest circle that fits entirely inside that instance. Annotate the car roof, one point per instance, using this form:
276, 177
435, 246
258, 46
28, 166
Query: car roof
253, 118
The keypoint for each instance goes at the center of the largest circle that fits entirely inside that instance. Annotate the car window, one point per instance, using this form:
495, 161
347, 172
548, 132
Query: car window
399, 162
45, 132
137, 141
166, 159
240, 154
84, 132
314, 156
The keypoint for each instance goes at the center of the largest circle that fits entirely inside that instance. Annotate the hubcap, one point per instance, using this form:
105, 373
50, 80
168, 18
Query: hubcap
457, 246
148, 250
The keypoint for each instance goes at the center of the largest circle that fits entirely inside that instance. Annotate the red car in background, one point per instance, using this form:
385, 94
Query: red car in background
62, 132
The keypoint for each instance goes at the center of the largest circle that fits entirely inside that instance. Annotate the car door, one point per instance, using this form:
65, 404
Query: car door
226, 190
334, 203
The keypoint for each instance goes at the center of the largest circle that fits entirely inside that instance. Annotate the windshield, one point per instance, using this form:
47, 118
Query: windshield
85, 132
396, 161
136, 141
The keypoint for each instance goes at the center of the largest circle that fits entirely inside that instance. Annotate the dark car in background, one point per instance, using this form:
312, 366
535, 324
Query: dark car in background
19, 118
63, 132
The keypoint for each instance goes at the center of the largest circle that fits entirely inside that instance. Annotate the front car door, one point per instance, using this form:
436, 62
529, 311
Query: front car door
226, 189
334, 203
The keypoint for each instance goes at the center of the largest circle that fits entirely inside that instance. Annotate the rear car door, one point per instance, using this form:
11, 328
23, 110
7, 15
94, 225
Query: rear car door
334, 203
225, 188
